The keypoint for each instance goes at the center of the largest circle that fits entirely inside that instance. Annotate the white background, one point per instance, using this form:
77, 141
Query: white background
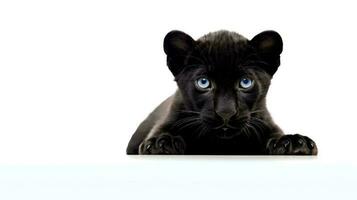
77, 77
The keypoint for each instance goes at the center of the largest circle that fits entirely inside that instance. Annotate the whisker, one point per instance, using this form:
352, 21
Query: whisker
245, 130
257, 111
184, 121
203, 130
255, 124
188, 112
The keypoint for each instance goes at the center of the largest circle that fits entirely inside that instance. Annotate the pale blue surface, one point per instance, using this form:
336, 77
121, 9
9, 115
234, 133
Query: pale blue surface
183, 178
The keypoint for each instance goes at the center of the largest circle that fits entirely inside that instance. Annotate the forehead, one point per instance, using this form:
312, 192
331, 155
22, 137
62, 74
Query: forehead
222, 54
224, 49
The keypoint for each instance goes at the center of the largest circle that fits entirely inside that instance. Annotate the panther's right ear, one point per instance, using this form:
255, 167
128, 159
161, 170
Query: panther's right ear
177, 45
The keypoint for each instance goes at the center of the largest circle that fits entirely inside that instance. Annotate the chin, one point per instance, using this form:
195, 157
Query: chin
226, 134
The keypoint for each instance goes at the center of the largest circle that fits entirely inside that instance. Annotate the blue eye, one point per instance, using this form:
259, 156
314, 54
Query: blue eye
246, 83
203, 83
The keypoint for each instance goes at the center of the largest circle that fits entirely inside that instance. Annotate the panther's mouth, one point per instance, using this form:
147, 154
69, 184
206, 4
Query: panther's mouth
225, 127
226, 131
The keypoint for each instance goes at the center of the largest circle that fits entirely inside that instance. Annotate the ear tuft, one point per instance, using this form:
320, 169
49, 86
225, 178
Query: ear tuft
178, 43
269, 46
268, 42
177, 46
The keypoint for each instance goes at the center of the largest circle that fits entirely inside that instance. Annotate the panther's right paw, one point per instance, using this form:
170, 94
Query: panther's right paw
163, 144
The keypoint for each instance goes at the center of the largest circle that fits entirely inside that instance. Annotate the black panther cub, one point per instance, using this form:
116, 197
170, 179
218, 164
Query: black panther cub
219, 107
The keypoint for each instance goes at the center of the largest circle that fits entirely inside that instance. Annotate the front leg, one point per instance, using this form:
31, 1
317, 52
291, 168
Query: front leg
291, 145
163, 144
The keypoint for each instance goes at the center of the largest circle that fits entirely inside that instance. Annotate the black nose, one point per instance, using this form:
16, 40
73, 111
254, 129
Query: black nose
226, 115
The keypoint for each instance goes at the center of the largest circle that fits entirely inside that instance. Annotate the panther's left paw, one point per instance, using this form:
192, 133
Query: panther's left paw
291, 145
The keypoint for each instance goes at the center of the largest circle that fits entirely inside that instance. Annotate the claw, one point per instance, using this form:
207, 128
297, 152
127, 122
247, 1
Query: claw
301, 141
286, 143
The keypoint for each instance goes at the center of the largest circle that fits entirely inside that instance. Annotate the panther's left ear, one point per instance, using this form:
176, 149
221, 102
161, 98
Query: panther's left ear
269, 46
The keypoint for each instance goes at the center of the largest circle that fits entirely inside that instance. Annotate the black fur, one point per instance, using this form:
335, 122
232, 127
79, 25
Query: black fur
223, 118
